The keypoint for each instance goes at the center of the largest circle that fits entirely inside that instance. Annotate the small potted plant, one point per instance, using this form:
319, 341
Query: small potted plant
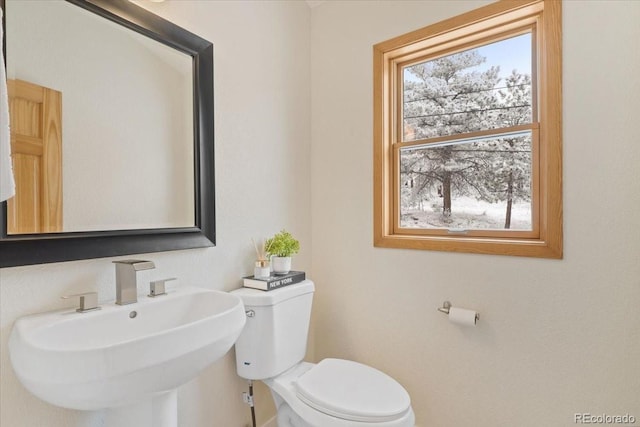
280, 248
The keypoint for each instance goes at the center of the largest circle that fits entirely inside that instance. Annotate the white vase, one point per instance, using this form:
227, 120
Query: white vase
280, 264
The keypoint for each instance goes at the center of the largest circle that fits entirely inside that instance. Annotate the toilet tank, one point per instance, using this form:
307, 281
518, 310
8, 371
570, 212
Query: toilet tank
274, 338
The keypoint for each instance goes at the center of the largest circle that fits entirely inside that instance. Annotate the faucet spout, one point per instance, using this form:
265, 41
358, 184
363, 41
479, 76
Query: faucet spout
127, 281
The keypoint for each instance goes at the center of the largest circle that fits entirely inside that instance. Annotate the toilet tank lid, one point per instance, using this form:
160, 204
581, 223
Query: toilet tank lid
255, 297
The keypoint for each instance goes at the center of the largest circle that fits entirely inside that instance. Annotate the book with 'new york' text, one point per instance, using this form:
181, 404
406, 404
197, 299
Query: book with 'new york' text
273, 281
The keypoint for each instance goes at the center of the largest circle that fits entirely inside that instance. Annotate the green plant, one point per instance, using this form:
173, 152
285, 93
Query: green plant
282, 244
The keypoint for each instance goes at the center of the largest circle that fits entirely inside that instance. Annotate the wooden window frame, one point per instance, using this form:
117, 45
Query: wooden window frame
493, 22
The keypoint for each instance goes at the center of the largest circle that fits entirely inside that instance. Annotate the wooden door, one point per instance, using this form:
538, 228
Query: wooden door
36, 151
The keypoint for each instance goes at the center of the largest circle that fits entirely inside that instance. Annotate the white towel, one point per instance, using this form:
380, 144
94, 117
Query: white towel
7, 183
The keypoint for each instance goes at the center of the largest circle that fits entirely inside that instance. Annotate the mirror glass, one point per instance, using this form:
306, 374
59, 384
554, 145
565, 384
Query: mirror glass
147, 187
127, 107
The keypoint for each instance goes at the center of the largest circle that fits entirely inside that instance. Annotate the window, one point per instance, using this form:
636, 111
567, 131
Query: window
467, 133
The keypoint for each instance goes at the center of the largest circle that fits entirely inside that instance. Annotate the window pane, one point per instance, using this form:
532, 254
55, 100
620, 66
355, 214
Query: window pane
487, 87
484, 184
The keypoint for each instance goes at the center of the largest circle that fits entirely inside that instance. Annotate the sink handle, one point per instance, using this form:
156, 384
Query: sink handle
157, 287
88, 301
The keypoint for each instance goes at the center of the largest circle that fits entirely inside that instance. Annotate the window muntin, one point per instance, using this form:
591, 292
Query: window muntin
540, 21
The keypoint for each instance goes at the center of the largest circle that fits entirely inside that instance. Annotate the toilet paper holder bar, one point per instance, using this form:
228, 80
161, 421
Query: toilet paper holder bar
447, 305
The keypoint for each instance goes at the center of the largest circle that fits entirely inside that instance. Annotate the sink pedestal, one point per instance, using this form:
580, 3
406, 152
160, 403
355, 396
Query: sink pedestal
160, 410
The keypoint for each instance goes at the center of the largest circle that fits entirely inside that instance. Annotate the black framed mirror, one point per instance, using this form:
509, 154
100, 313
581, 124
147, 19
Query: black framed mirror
31, 248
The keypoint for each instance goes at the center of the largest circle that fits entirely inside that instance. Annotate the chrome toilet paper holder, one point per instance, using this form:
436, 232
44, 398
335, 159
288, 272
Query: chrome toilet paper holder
447, 305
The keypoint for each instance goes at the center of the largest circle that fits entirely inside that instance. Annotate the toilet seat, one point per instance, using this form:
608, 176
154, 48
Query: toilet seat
352, 391
285, 388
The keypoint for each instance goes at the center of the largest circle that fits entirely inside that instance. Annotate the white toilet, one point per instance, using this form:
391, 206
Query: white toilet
332, 393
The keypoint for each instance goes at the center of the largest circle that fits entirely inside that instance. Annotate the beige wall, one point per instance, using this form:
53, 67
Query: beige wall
262, 126
555, 337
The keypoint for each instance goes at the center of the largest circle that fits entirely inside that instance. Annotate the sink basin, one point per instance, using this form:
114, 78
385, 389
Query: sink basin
122, 354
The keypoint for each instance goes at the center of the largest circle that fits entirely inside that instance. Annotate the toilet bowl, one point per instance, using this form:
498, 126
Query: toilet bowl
331, 393
339, 393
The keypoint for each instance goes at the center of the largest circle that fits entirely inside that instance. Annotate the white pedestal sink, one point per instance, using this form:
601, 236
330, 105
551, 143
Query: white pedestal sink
128, 359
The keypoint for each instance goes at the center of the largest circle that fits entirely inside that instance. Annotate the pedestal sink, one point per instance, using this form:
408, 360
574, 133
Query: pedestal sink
128, 359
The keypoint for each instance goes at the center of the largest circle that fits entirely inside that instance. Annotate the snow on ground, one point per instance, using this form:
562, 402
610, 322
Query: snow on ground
468, 213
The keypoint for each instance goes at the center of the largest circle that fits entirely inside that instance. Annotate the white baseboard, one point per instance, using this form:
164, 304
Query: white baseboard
271, 423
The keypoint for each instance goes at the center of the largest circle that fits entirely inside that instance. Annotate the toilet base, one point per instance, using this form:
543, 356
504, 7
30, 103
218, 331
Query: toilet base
288, 418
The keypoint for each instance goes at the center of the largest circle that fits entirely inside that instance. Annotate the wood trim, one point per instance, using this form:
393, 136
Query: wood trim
465, 42
27, 90
498, 15
514, 247
36, 138
382, 168
27, 144
544, 19
51, 214
550, 79
23, 210
498, 133
470, 234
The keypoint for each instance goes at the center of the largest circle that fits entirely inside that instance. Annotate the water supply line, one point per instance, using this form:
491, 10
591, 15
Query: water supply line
248, 399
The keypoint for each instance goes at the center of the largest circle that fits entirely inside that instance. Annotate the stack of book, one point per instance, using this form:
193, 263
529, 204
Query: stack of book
274, 281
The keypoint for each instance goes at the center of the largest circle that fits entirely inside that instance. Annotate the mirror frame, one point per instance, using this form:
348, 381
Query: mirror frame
29, 249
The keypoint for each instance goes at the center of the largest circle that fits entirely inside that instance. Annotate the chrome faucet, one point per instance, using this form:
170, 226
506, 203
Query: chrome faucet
126, 279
